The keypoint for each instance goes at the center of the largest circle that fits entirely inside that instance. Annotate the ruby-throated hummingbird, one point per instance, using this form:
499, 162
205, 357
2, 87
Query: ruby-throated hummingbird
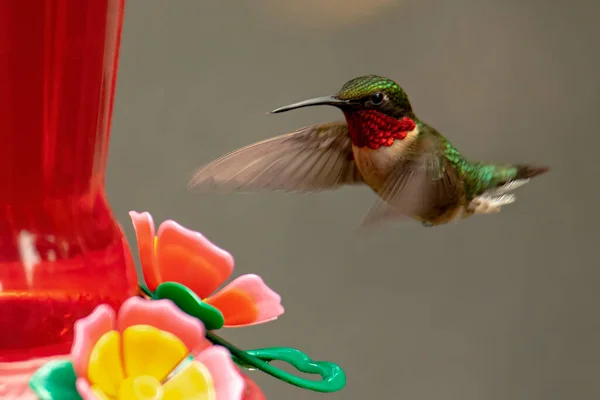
415, 171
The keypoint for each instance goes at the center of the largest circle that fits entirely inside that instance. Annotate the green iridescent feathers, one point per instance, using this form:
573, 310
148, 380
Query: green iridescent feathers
366, 85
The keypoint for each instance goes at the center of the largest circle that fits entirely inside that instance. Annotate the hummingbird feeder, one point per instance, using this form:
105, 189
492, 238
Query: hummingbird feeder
77, 323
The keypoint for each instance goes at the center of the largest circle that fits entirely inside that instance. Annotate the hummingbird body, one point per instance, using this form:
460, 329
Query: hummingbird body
415, 171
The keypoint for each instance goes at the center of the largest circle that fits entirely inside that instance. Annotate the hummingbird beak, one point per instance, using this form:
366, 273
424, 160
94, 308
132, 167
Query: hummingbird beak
319, 101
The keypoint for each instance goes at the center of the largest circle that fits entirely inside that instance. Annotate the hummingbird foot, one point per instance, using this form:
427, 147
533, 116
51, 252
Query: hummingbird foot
427, 224
486, 204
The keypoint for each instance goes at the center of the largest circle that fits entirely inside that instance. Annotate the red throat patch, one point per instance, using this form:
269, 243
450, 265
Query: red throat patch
372, 129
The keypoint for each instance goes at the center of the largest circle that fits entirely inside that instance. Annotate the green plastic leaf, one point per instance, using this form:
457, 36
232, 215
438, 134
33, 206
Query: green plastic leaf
333, 378
55, 380
332, 375
190, 304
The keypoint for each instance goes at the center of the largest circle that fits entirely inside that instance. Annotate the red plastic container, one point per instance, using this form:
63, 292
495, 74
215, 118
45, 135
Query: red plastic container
61, 250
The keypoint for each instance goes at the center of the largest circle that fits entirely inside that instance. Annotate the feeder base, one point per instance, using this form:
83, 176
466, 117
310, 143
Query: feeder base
14, 377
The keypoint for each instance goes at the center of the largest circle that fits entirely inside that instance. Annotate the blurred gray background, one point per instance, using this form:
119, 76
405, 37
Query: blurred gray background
497, 307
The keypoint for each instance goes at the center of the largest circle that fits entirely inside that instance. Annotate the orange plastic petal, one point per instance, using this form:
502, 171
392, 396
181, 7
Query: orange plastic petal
187, 257
237, 307
145, 233
247, 300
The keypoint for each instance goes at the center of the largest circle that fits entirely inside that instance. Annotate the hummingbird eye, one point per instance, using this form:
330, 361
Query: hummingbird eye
377, 98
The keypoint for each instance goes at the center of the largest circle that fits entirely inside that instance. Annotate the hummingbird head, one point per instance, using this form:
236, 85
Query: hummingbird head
370, 92
377, 110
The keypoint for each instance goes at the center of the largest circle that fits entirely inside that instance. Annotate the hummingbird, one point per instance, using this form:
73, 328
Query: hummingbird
413, 169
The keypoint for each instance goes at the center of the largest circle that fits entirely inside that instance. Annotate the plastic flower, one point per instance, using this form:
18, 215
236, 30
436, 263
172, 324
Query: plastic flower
177, 254
252, 391
141, 355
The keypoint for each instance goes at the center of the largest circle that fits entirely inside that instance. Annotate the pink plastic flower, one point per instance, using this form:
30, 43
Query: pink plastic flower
142, 354
252, 391
177, 254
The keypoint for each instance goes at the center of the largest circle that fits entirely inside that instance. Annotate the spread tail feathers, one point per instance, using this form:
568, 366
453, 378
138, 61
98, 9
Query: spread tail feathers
529, 171
510, 178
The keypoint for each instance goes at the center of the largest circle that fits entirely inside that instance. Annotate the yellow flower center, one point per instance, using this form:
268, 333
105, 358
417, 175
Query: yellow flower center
140, 388
141, 364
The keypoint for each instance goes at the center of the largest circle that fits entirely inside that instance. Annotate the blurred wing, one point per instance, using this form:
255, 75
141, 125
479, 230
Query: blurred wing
314, 158
421, 182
